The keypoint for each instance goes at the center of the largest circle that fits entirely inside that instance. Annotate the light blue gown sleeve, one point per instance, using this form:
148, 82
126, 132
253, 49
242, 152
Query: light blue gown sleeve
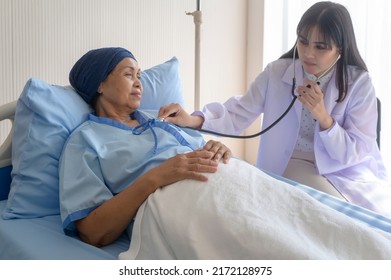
82, 187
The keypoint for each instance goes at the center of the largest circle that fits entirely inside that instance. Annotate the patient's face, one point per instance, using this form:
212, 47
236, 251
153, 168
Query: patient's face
122, 88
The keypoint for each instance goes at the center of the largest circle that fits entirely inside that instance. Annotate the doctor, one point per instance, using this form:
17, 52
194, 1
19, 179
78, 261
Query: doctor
328, 139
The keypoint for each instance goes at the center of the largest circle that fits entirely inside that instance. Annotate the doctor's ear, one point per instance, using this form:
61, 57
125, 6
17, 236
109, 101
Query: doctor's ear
339, 54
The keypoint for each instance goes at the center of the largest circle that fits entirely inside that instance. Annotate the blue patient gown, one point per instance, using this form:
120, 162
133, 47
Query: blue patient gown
102, 157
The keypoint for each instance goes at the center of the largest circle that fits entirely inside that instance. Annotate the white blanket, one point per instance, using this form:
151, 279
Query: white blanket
243, 213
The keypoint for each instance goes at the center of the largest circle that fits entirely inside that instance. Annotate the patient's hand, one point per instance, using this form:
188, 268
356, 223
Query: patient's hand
192, 165
219, 150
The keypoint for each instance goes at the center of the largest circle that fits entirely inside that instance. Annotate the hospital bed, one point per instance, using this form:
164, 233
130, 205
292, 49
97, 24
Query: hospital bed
42, 118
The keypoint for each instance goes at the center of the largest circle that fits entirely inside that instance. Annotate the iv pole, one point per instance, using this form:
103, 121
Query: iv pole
197, 17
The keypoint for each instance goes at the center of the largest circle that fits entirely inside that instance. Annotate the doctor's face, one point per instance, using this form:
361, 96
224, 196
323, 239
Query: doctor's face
316, 55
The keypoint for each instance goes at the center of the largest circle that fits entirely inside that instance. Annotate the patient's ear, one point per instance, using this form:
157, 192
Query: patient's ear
100, 89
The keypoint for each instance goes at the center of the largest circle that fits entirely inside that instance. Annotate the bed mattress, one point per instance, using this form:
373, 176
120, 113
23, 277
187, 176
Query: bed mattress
43, 239
358, 213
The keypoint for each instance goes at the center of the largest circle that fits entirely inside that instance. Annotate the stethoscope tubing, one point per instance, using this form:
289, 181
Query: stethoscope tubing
251, 135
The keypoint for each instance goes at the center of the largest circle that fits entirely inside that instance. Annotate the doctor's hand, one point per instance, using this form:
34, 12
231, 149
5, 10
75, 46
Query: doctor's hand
311, 96
175, 114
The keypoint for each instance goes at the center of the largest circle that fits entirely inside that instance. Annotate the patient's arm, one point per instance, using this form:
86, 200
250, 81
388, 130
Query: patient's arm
105, 224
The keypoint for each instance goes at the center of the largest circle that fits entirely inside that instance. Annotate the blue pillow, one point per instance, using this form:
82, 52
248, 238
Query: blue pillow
45, 116
162, 85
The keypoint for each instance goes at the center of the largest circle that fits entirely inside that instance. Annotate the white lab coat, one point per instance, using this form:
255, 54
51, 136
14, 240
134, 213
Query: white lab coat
346, 154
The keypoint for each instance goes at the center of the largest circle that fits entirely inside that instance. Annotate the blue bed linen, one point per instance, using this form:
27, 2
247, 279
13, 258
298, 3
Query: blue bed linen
44, 239
356, 212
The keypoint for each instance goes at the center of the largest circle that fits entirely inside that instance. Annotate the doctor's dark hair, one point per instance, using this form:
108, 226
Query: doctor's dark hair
334, 23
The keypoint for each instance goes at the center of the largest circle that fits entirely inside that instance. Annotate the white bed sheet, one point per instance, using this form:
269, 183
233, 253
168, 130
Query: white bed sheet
243, 213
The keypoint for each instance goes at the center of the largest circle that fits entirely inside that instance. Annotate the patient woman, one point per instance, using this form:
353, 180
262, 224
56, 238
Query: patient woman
120, 155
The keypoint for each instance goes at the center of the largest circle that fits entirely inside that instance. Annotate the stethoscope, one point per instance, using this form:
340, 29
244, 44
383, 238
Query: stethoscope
294, 97
271, 125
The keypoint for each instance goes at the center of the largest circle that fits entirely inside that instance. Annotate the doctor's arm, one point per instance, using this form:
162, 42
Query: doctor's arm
353, 136
174, 113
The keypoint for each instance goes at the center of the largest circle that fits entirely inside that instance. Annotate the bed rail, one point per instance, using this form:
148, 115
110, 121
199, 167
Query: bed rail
7, 111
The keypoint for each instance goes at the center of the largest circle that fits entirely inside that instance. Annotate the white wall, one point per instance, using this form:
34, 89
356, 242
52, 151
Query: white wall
255, 42
43, 39
224, 50
241, 66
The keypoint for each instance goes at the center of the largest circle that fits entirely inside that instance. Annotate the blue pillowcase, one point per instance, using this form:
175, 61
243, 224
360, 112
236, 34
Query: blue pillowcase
162, 85
45, 116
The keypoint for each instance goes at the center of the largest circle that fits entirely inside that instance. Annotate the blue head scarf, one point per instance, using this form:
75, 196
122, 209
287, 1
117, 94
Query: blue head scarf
93, 68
